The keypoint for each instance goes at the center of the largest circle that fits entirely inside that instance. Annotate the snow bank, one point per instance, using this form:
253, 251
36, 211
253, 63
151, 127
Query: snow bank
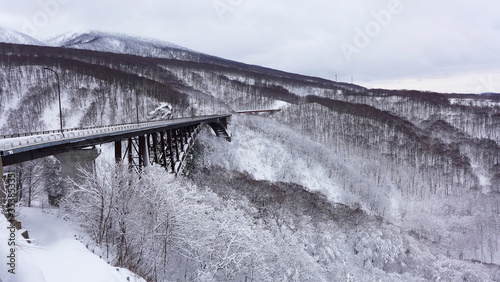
54, 254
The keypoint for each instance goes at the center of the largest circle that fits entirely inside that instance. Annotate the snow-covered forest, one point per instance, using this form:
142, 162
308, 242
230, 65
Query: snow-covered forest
343, 184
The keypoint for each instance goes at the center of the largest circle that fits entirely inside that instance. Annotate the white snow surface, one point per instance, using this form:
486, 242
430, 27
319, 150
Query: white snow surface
55, 253
269, 159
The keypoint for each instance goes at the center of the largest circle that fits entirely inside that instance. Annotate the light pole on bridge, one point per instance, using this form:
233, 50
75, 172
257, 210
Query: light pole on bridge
136, 101
59, 95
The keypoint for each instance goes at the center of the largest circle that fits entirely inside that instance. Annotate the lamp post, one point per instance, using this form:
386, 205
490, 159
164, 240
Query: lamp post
59, 94
137, 106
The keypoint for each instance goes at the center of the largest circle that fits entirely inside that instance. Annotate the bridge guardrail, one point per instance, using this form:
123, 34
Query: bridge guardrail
12, 141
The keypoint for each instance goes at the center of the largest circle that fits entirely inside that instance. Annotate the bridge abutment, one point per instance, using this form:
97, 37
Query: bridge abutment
71, 163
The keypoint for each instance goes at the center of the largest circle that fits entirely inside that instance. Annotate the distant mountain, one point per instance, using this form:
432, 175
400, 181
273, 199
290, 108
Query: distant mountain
108, 42
153, 48
12, 36
490, 93
122, 44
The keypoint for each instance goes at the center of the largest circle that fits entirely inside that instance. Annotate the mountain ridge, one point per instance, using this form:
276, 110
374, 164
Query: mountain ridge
11, 36
153, 48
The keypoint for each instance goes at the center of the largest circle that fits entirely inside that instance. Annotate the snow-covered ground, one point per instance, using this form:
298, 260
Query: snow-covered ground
55, 253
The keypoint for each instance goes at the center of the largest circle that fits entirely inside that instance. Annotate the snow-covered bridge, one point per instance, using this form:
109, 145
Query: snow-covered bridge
162, 142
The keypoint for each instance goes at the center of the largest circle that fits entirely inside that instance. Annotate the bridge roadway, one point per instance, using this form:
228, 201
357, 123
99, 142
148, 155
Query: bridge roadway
19, 149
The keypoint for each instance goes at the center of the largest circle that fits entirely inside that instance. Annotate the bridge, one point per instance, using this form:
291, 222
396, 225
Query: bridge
162, 142
269, 111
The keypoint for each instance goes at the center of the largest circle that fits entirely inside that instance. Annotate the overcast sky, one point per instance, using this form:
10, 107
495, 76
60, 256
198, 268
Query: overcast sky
447, 46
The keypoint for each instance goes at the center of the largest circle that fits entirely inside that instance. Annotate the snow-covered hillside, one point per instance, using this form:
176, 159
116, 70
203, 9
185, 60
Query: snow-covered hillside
55, 253
262, 164
344, 183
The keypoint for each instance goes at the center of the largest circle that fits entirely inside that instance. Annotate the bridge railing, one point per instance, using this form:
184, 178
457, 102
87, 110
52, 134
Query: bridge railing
27, 134
12, 141
16, 142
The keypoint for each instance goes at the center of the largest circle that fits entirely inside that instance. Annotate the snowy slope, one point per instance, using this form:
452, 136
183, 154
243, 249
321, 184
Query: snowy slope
265, 150
270, 151
54, 255
12, 36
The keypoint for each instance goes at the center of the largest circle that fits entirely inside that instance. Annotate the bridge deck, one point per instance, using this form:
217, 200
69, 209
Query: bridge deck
19, 149
258, 111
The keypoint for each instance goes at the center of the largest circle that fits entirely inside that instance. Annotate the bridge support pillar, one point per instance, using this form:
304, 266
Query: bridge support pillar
143, 152
118, 151
171, 150
71, 162
130, 154
154, 151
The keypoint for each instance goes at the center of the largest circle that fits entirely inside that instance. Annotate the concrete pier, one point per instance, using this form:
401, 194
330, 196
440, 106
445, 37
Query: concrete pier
73, 161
